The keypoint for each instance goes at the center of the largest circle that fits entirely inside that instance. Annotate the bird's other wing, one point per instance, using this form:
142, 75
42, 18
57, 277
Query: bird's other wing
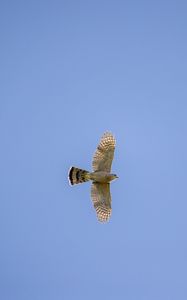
100, 193
103, 156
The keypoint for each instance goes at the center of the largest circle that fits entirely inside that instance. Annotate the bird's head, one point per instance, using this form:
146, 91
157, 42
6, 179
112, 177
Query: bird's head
114, 176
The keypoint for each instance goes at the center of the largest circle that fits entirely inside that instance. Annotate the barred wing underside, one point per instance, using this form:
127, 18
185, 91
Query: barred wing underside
100, 193
104, 154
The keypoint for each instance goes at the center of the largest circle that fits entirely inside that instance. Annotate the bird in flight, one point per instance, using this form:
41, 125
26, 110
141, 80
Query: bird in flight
100, 177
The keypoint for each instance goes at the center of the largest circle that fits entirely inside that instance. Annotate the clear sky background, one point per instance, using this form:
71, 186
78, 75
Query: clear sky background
70, 70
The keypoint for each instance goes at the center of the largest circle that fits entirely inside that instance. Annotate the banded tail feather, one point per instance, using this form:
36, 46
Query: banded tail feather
77, 175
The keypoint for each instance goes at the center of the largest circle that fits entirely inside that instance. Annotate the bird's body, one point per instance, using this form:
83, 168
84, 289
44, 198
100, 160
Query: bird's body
77, 176
100, 177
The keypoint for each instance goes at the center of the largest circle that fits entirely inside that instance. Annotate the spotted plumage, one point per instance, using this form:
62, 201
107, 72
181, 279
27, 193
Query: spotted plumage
100, 177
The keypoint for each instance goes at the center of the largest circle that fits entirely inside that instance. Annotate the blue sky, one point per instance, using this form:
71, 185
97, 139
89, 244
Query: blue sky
70, 70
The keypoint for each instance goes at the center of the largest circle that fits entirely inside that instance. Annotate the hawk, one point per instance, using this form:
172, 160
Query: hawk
100, 177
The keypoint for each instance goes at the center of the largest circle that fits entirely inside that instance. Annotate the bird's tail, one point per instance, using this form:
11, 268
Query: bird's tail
77, 175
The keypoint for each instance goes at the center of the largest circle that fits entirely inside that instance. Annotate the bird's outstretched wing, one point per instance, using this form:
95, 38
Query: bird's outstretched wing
104, 153
100, 193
